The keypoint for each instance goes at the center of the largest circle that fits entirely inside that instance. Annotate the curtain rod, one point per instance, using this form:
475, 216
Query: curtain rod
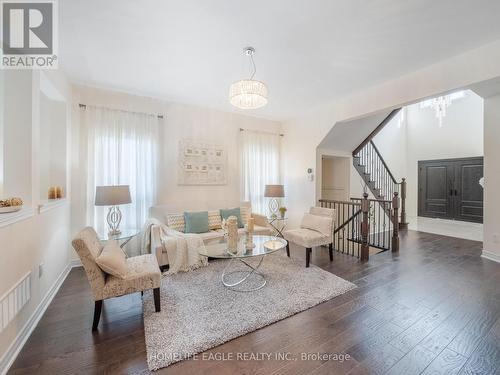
142, 113
260, 131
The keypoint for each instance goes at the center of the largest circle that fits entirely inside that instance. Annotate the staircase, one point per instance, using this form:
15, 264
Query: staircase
375, 173
362, 224
377, 176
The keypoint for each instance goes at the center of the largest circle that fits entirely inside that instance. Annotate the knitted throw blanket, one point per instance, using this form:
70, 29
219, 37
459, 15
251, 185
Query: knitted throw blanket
185, 257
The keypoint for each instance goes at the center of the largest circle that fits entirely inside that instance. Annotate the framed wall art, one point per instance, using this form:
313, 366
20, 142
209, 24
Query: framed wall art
201, 163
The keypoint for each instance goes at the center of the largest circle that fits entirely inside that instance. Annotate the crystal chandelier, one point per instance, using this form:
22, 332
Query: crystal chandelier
441, 103
248, 93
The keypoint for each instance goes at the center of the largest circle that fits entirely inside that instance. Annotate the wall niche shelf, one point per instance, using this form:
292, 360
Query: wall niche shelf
50, 204
52, 155
14, 217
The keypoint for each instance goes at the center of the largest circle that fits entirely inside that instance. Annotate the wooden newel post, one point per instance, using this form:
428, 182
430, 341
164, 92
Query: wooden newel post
403, 224
365, 228
395, 218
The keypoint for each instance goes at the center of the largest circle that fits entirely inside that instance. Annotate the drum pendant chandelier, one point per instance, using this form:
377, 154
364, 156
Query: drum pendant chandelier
248, 93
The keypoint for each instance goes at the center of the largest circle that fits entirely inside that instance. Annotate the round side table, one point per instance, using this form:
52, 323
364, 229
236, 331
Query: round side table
278, 223
123, 238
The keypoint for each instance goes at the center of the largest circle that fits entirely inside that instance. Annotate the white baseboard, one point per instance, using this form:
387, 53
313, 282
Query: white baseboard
491, 256
12, 352
75, 263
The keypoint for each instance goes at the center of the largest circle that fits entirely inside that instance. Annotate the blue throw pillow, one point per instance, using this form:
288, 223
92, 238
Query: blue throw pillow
225, 213
196, 222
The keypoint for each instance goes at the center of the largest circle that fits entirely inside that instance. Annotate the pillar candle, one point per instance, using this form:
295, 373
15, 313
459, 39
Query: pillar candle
58, 192
232, 233
52, 193
250, 224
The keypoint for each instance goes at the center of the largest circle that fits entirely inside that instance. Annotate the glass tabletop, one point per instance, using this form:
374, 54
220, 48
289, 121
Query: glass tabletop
263, 245
125, 234
277, 218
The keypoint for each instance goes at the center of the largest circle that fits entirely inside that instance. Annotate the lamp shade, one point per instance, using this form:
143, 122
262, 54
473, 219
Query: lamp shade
248, 94
274, 191
112, 195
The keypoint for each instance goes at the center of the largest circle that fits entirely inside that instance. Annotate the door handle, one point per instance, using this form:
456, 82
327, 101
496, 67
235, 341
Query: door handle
456, 193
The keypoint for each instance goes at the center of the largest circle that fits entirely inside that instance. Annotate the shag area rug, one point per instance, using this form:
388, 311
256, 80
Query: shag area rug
199, 313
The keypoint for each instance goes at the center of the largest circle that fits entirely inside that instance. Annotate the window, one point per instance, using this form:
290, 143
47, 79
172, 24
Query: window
260, 166
122, 150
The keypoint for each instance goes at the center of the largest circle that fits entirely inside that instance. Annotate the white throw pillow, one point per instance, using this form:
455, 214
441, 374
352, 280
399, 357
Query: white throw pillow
176, 221
320, 224
214, 220
112, 260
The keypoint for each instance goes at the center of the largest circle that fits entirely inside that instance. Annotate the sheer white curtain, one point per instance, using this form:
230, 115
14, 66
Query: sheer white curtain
260, 166
121, 150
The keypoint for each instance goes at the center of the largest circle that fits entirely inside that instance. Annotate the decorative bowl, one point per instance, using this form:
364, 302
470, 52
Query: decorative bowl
8, 209
274, 244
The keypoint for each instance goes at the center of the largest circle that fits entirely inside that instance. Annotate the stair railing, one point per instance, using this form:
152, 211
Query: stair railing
375, 172
347, 226
363, 223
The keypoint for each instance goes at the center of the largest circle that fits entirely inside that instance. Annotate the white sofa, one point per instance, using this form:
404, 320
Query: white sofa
173, 217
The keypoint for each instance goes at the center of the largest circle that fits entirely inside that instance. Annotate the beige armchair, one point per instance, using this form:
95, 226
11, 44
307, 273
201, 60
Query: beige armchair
316, 229
142, 273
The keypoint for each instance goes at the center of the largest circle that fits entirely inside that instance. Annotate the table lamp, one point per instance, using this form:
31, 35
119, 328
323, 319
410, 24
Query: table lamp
274, 192
113, 196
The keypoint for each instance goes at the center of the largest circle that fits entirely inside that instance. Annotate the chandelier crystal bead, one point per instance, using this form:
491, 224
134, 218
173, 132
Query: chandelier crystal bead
441, 104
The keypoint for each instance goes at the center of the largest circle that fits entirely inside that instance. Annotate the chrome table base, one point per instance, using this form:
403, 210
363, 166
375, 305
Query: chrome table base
246, 274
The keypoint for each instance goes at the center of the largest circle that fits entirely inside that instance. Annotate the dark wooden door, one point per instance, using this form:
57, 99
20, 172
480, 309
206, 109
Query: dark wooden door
467, 191
436, 180
450, 189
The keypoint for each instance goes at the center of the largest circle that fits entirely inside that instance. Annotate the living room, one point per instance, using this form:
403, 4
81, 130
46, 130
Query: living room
161, 189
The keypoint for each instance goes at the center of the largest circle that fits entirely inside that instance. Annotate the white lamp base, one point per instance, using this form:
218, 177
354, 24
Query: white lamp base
114, 218
274, 206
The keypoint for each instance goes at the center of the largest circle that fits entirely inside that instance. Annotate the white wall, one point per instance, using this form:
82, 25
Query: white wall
2, 125
180, 121
491, 240
52, 159
17, 134
39, 237
460, 136
211, 126
419, 137
303, 134
392, 142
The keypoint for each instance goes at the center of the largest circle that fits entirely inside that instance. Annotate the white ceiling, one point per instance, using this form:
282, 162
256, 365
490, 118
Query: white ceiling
346, 136
308, 51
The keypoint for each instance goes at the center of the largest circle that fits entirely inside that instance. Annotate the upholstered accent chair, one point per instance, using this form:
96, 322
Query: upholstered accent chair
316, 229
143, 273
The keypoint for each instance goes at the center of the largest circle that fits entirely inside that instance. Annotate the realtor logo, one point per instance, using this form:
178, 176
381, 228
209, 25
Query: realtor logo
29, 34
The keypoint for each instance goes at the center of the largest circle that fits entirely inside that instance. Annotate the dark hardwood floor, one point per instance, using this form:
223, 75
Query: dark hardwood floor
433, 308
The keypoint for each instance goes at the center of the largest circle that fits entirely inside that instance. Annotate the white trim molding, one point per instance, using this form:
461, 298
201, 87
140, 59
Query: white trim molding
491, 256
51, 204
75, 263
15, 347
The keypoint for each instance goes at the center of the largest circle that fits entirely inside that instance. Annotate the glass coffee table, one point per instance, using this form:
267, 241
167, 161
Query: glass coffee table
263, 245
